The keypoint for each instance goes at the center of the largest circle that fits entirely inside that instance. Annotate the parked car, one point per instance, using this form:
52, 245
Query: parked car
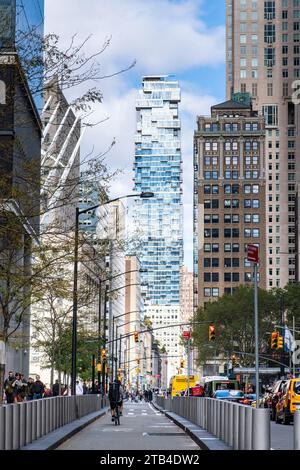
229, 395
275, 395
289, 402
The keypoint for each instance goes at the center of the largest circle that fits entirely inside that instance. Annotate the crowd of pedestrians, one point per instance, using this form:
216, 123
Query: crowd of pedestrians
17, 389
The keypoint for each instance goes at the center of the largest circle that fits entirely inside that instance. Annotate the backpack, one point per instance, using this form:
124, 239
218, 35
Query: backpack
8, 387
114, 392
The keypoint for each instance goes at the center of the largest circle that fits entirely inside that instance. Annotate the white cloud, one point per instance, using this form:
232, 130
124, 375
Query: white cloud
165, 37
160, 34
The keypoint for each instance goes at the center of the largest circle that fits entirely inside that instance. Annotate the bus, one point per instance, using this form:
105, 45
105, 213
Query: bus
212, 384
179, 383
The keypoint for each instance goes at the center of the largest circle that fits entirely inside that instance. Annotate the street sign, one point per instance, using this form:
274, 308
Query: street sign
186, 335
252, 253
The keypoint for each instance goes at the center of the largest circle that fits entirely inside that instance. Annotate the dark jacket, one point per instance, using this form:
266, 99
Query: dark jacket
29, 392
38, 387
55, 390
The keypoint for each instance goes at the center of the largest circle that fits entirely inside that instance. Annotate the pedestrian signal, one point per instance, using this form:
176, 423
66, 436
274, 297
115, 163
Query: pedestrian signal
211, 333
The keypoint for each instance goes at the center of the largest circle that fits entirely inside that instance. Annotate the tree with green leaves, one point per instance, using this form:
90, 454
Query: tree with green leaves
233, 317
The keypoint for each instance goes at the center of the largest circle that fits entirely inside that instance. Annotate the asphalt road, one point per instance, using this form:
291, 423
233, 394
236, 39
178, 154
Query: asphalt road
142, 428
282, 436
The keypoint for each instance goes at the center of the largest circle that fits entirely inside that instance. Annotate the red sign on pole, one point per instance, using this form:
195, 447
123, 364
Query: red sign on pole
252, 253
187, 335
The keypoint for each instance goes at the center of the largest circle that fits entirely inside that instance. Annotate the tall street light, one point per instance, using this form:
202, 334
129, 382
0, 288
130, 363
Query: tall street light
144, 195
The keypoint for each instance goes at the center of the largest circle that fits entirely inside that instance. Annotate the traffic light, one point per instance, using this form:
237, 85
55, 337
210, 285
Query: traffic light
280, 342
99, 368
274, 340
138, 361
182, 364
103, 354
136, 336
211, 333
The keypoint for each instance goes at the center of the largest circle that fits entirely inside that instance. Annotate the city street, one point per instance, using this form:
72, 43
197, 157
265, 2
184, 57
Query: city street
142, 427
282, 437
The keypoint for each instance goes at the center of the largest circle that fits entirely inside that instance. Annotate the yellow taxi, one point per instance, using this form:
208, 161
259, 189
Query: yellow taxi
289, 402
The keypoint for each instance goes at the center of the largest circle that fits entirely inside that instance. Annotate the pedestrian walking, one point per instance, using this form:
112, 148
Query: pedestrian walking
79, 389
18, 389
8, 387
55, 389
38, 388
29, 392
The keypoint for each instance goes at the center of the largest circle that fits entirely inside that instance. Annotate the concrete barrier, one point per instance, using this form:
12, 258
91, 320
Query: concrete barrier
239, 426
23, 423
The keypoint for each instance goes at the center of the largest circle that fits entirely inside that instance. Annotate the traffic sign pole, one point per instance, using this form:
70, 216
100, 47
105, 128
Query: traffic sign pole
253, 255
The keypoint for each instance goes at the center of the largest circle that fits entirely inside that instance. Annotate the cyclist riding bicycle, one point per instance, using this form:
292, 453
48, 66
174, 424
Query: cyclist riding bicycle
115, 395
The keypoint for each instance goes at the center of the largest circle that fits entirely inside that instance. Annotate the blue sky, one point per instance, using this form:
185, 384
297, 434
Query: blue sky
181, 37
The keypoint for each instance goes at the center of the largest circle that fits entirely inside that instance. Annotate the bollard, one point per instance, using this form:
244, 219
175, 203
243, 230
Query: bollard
235, 427
16, 426
248, 429
34, 420
39, 417
223, 412
9, 427
23, 407
297, 430
29, 422
261, 429
2, 427
226, 421
43, 416
242, 419
230, 425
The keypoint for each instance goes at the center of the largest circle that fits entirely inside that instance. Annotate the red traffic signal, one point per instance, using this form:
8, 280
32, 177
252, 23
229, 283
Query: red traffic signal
136, 336
211, 333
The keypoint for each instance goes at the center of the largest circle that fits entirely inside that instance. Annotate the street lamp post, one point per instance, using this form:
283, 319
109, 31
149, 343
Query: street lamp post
143, 195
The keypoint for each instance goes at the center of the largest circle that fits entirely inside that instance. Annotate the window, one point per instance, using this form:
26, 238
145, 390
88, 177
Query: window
207, 292
207, 247
215, 248
248, 277
207, 277
270, 33
215, 292
206, 262
270, 113
215, 204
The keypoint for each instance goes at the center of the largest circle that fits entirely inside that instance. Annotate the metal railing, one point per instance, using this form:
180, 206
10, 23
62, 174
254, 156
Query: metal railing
240, 427
23, 423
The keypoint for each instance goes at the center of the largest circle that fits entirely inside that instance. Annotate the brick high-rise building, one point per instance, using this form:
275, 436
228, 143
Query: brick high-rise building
230, 176
186, 293
263, 47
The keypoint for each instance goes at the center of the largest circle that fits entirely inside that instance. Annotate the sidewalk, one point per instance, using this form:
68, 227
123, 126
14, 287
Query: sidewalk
204, 439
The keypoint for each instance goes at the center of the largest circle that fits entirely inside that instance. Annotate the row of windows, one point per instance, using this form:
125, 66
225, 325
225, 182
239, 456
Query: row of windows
208, 161
232, 204
232, 233
231, 127
231, 175
231, 218
228, 263
249, 145
228, 247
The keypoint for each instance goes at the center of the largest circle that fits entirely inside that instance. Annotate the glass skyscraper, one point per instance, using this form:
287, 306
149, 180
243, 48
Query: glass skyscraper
21, 28
158, 168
